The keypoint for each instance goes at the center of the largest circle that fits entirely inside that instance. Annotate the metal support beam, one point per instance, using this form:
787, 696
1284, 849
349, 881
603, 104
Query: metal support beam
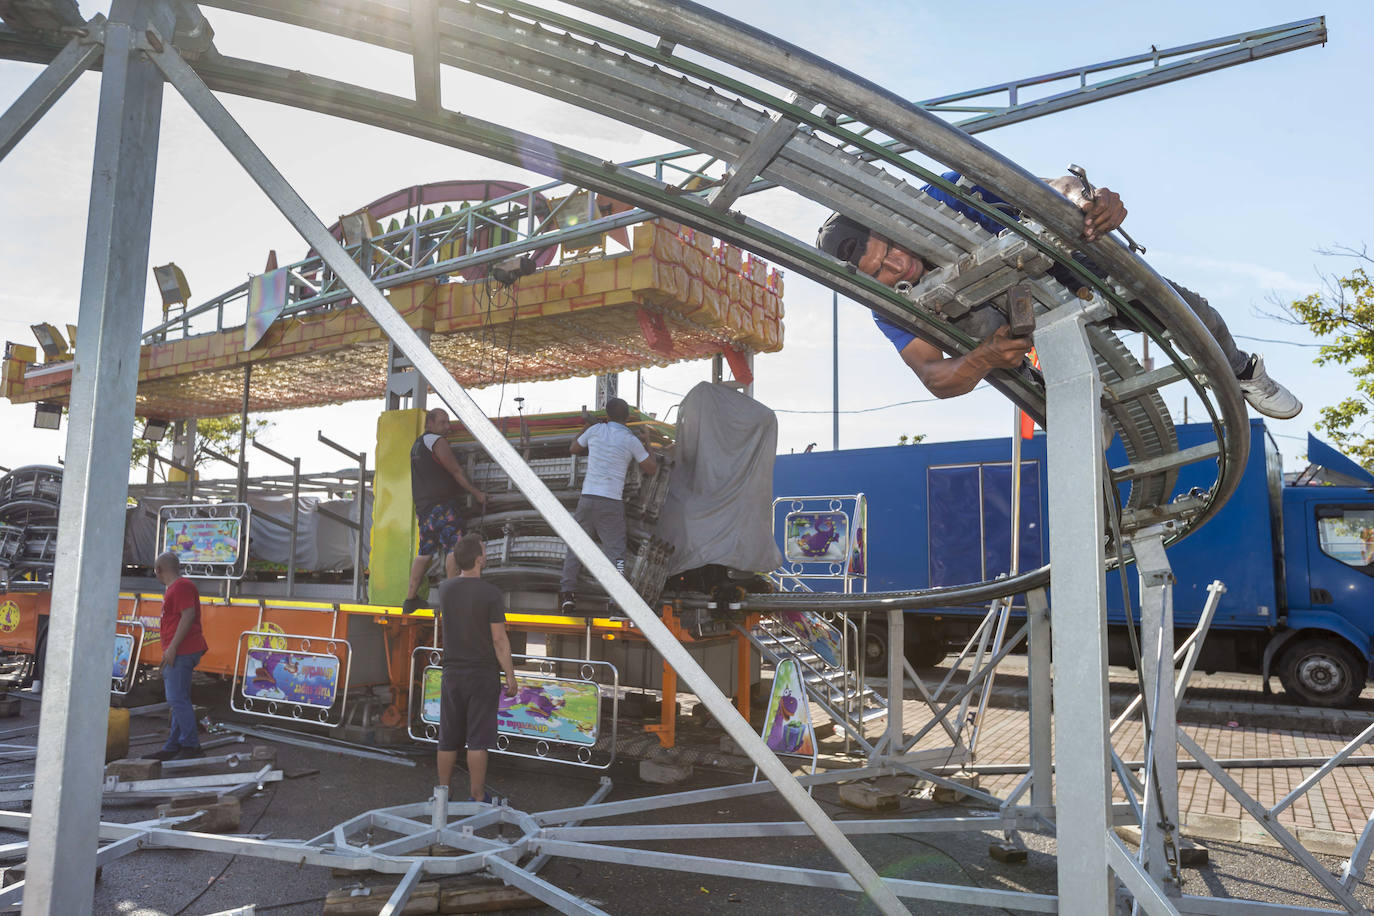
1073, 393
424, 38
1041, 688
50, 85
280, 192
765, 145
71, 741
1159, 851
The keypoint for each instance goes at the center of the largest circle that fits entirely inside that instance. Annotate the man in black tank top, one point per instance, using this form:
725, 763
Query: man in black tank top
436, 483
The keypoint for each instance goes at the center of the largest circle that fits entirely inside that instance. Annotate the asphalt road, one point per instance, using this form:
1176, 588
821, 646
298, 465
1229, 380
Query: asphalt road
162, 882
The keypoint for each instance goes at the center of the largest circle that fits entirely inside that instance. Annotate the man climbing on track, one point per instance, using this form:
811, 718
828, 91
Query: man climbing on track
951, 376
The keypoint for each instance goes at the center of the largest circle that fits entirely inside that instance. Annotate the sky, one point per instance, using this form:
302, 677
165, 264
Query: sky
1234, 181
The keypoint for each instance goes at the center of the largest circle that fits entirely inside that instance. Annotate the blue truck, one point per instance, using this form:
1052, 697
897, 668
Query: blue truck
1297, 560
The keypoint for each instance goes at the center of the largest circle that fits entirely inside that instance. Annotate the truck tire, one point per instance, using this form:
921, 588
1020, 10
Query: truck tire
1321, 671
875, 649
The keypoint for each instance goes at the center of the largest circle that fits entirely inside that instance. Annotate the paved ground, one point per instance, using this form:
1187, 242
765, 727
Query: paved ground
180, 883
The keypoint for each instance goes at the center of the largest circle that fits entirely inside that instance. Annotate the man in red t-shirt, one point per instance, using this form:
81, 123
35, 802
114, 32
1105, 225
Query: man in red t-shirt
182, 646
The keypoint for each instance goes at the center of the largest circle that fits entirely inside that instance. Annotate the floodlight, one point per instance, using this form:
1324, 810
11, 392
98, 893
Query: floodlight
154, 430
575, 209
359, 226
50, 339
171, 283
48, 415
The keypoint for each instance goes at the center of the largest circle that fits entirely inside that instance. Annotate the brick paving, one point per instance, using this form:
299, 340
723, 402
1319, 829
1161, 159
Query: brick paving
1238, 722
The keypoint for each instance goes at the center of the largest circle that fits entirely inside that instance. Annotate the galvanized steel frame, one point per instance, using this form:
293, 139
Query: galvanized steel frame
1072, 391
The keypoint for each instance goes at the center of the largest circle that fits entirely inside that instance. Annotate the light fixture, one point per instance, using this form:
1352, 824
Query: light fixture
50, 339
359, 226
154, 430
575, 209
47, 415
171, 283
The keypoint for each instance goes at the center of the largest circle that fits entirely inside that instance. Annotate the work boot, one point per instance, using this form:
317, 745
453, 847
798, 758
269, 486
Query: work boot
411, 605
567, 602
189, 753
1266, 395
166, 753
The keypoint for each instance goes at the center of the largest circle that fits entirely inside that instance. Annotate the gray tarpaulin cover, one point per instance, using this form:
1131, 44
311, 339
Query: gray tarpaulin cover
720, 497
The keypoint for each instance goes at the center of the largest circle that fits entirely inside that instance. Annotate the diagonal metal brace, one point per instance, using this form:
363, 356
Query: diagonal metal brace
73, 60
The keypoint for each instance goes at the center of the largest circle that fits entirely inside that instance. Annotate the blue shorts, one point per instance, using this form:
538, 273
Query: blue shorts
440, 529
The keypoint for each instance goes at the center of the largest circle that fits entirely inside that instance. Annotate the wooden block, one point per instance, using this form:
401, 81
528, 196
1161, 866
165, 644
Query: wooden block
946, 795
134, 768
9, 707
1007, 853
368, 901
868, 797
1191, 855
484, 898
221, 816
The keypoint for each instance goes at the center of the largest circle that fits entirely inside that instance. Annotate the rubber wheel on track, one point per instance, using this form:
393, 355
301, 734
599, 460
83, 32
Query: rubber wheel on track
1322, 672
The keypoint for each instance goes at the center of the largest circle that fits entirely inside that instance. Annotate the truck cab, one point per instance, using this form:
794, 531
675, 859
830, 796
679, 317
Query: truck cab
1322, 652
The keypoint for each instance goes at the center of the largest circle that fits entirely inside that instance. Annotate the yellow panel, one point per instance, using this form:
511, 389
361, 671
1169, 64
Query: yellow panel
395, 533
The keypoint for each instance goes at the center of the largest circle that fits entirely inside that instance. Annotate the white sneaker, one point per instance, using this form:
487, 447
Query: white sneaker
1266, 395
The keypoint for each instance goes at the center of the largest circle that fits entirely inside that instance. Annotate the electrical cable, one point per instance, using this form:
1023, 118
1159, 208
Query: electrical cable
220, 874
678, 394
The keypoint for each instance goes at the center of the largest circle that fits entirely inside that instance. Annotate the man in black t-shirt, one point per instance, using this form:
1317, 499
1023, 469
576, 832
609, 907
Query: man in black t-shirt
476, 651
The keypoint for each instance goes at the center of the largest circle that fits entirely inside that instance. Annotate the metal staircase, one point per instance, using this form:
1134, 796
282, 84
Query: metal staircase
850, 702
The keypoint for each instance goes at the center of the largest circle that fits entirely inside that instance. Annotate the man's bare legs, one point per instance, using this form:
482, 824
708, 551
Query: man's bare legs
477, 774
445, 761
477, 771
417, 573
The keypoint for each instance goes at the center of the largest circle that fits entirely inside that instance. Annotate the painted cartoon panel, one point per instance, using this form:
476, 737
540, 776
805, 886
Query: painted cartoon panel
787, 726
816, 537
306, 678
819, 635
544, 708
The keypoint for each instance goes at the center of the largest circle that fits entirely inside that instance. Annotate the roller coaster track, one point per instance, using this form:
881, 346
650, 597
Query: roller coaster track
830, 137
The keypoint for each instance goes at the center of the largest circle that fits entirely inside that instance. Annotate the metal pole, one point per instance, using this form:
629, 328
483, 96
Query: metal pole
280, 192
71, 741
1041, 688
835, 368
243, 433
1073, 393
1157, 663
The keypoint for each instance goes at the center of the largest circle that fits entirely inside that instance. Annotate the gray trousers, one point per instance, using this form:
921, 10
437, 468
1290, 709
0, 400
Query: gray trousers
604, 520
980, 322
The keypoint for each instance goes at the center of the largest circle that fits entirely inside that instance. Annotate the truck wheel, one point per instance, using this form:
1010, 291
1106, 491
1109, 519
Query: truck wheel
925, 645
1322, 672
875, 650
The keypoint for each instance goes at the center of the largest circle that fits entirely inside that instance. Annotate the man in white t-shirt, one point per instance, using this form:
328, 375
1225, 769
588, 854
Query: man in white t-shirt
610, 448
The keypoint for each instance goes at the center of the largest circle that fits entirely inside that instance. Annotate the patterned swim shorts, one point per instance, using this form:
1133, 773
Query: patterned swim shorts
440, 529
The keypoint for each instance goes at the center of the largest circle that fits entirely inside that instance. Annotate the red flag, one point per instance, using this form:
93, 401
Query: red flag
1027, 424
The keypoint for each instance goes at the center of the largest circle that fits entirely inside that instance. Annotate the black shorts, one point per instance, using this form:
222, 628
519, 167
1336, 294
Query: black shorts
468, 699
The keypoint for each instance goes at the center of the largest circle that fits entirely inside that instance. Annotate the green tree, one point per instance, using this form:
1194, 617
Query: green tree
904, 439
1344, 311
220, 434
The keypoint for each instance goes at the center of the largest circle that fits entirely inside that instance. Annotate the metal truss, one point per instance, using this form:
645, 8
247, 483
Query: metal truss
856, 167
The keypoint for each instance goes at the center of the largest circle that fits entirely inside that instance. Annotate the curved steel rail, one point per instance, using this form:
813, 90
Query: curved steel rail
647, 86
